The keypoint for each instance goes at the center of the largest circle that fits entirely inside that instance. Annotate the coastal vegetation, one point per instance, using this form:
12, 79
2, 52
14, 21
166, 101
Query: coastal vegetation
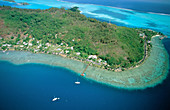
71, 34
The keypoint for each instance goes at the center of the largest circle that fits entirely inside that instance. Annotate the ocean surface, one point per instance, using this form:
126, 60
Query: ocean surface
137, 5
33, 86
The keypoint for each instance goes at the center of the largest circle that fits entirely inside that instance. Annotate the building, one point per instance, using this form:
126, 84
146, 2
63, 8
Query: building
93, 56
66, 51
78, 53
71, 48
30, 44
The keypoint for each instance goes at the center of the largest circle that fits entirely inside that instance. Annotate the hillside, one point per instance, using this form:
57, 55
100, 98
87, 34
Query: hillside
77, 36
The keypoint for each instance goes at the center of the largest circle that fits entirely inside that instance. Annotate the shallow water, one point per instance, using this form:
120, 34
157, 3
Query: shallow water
33, 86
138, 5
152, 72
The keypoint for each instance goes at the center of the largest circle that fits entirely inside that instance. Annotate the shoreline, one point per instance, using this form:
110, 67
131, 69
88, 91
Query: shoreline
149, 74
102, 5
116, 7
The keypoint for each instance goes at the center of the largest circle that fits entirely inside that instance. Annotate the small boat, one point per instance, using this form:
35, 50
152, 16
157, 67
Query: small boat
54, 99
77, 82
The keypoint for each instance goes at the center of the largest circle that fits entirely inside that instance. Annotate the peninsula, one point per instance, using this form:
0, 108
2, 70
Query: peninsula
114, 52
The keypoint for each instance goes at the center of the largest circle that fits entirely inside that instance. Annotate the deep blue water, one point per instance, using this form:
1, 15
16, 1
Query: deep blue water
32, 86
142, 6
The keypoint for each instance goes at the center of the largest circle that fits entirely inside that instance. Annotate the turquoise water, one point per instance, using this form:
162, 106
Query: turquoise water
32, 86
122, 17
157, 6
152, 72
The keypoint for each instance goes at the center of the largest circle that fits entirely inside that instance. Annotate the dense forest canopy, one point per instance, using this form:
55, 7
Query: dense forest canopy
116, 44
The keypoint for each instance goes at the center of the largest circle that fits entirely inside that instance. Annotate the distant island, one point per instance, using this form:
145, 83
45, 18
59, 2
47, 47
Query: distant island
9, 0
69, 34
22, 3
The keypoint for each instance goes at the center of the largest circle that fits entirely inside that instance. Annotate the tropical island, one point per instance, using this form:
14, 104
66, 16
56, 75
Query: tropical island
111, 49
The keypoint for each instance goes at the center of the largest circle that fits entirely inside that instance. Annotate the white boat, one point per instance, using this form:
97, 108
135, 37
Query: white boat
77, 82
54, 99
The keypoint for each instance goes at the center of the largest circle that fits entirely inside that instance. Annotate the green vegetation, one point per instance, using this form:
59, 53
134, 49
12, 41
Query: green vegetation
9, 0
74, 9
69, 33
23, 3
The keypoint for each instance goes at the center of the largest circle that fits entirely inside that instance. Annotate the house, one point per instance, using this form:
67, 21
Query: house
93, 56
36, 50
78, 53
4, 45
48, 44
71, 48
141, 34
9, 45
59, 49
25, 43
21, 46
99, 60
30, 44
66, 51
